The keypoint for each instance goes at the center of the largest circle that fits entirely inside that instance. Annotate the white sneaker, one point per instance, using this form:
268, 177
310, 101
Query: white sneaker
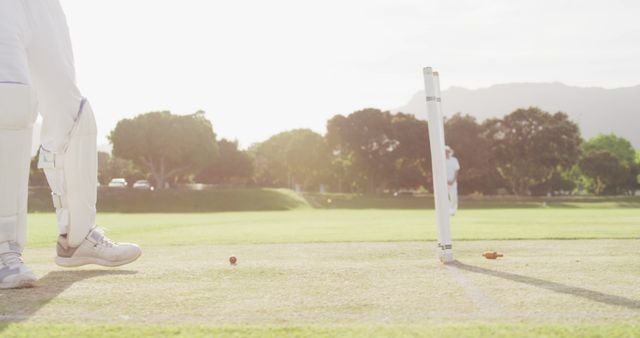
14, 274
96, 249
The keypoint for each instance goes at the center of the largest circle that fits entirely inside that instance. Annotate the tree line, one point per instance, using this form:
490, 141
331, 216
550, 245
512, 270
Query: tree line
527, 152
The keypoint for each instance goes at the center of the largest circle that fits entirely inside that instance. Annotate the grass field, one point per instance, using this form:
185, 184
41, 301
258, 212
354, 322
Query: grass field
567, 271
317, 225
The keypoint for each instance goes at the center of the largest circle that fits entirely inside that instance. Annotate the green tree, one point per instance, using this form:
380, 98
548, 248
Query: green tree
562, 181
412, 155
37, 177
605, 172
618, 147
472, 149
110, 167
638, 166
103, 167
619, 175
298, 156
165, 145
530, 145
230, 164
364, 141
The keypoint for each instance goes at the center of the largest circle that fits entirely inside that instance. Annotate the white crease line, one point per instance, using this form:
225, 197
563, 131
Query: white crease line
486, 306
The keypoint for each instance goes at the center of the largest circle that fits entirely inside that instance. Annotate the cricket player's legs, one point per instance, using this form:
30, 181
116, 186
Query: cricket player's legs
17, 115
68, 153
453, 198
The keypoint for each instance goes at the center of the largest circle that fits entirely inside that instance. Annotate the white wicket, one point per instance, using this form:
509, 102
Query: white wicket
438, 163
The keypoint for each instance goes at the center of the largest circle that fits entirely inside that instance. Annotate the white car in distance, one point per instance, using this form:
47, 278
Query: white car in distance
142, 185
118, 183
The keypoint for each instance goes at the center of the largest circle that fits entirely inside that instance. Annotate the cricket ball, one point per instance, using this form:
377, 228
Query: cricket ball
492, 255
233, 260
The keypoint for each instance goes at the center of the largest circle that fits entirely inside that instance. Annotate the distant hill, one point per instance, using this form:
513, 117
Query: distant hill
596, 110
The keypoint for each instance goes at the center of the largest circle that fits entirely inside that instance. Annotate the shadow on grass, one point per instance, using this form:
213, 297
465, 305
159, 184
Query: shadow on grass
595, 296
17, 305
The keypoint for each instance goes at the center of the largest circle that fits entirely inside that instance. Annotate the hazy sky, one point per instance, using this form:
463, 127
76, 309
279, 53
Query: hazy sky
261, 67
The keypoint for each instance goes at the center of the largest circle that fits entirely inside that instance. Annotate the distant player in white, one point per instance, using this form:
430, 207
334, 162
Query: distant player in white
453, 167
37, 75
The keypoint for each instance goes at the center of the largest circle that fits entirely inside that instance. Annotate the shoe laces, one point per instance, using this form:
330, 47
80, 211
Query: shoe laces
11, 258
104, 240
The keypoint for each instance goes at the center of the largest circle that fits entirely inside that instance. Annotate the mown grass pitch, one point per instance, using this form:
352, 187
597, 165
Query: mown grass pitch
355, 273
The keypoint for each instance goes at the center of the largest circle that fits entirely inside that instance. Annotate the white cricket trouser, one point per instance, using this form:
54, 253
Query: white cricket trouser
453, 198
37, 75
